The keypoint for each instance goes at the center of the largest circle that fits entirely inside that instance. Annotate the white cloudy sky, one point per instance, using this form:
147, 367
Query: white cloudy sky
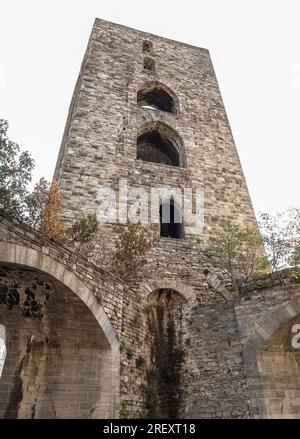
254, 45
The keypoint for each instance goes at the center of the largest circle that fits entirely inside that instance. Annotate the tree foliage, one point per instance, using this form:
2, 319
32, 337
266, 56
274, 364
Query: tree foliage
295, 254
281, 237
277, 238
35, 203
236, 251
241, 253
83, 230
132, 242
51, 227
15, 173
84, 236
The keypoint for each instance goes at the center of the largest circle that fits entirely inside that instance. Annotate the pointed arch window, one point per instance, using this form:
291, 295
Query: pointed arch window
157, 96
159, 143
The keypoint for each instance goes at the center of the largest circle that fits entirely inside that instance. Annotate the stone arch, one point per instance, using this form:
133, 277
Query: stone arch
266, 328
251, 348
12, 254
157, 142
157, 96
17, 254
186, 291
163, 296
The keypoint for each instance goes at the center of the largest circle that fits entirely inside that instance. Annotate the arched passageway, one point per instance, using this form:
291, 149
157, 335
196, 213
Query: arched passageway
279, 369
62, 352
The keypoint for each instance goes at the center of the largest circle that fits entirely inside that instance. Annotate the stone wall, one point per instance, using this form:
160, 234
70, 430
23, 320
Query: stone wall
235, 365
111, 346
215, 383
104, 297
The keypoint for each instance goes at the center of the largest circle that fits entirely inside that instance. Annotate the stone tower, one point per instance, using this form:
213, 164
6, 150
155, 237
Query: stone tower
169, 340
148, 110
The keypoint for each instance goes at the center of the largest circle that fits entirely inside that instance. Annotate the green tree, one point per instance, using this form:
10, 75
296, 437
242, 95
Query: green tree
35, 203
85, 236
280, 234
15, 173
41, 208
294, 227
236, 251
132, 242
83, 230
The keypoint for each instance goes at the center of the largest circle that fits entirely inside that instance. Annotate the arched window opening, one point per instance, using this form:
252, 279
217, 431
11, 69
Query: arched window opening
153, 147
159, 143
171, 225
157, 97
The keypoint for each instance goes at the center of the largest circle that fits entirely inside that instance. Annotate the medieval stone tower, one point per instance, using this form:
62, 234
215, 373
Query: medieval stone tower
149, 110
170, 340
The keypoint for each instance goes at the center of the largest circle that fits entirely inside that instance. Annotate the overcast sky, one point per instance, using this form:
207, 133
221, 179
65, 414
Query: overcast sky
255, 49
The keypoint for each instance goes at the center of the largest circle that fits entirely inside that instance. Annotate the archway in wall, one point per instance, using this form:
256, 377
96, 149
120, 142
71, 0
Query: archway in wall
157, 96
165, 322
159, 143
60, 363
279, 369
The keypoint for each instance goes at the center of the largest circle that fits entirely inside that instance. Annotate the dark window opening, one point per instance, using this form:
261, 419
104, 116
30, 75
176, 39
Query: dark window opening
155, 96
170, 221
159, 143
147, 46
154, 147
149, 64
